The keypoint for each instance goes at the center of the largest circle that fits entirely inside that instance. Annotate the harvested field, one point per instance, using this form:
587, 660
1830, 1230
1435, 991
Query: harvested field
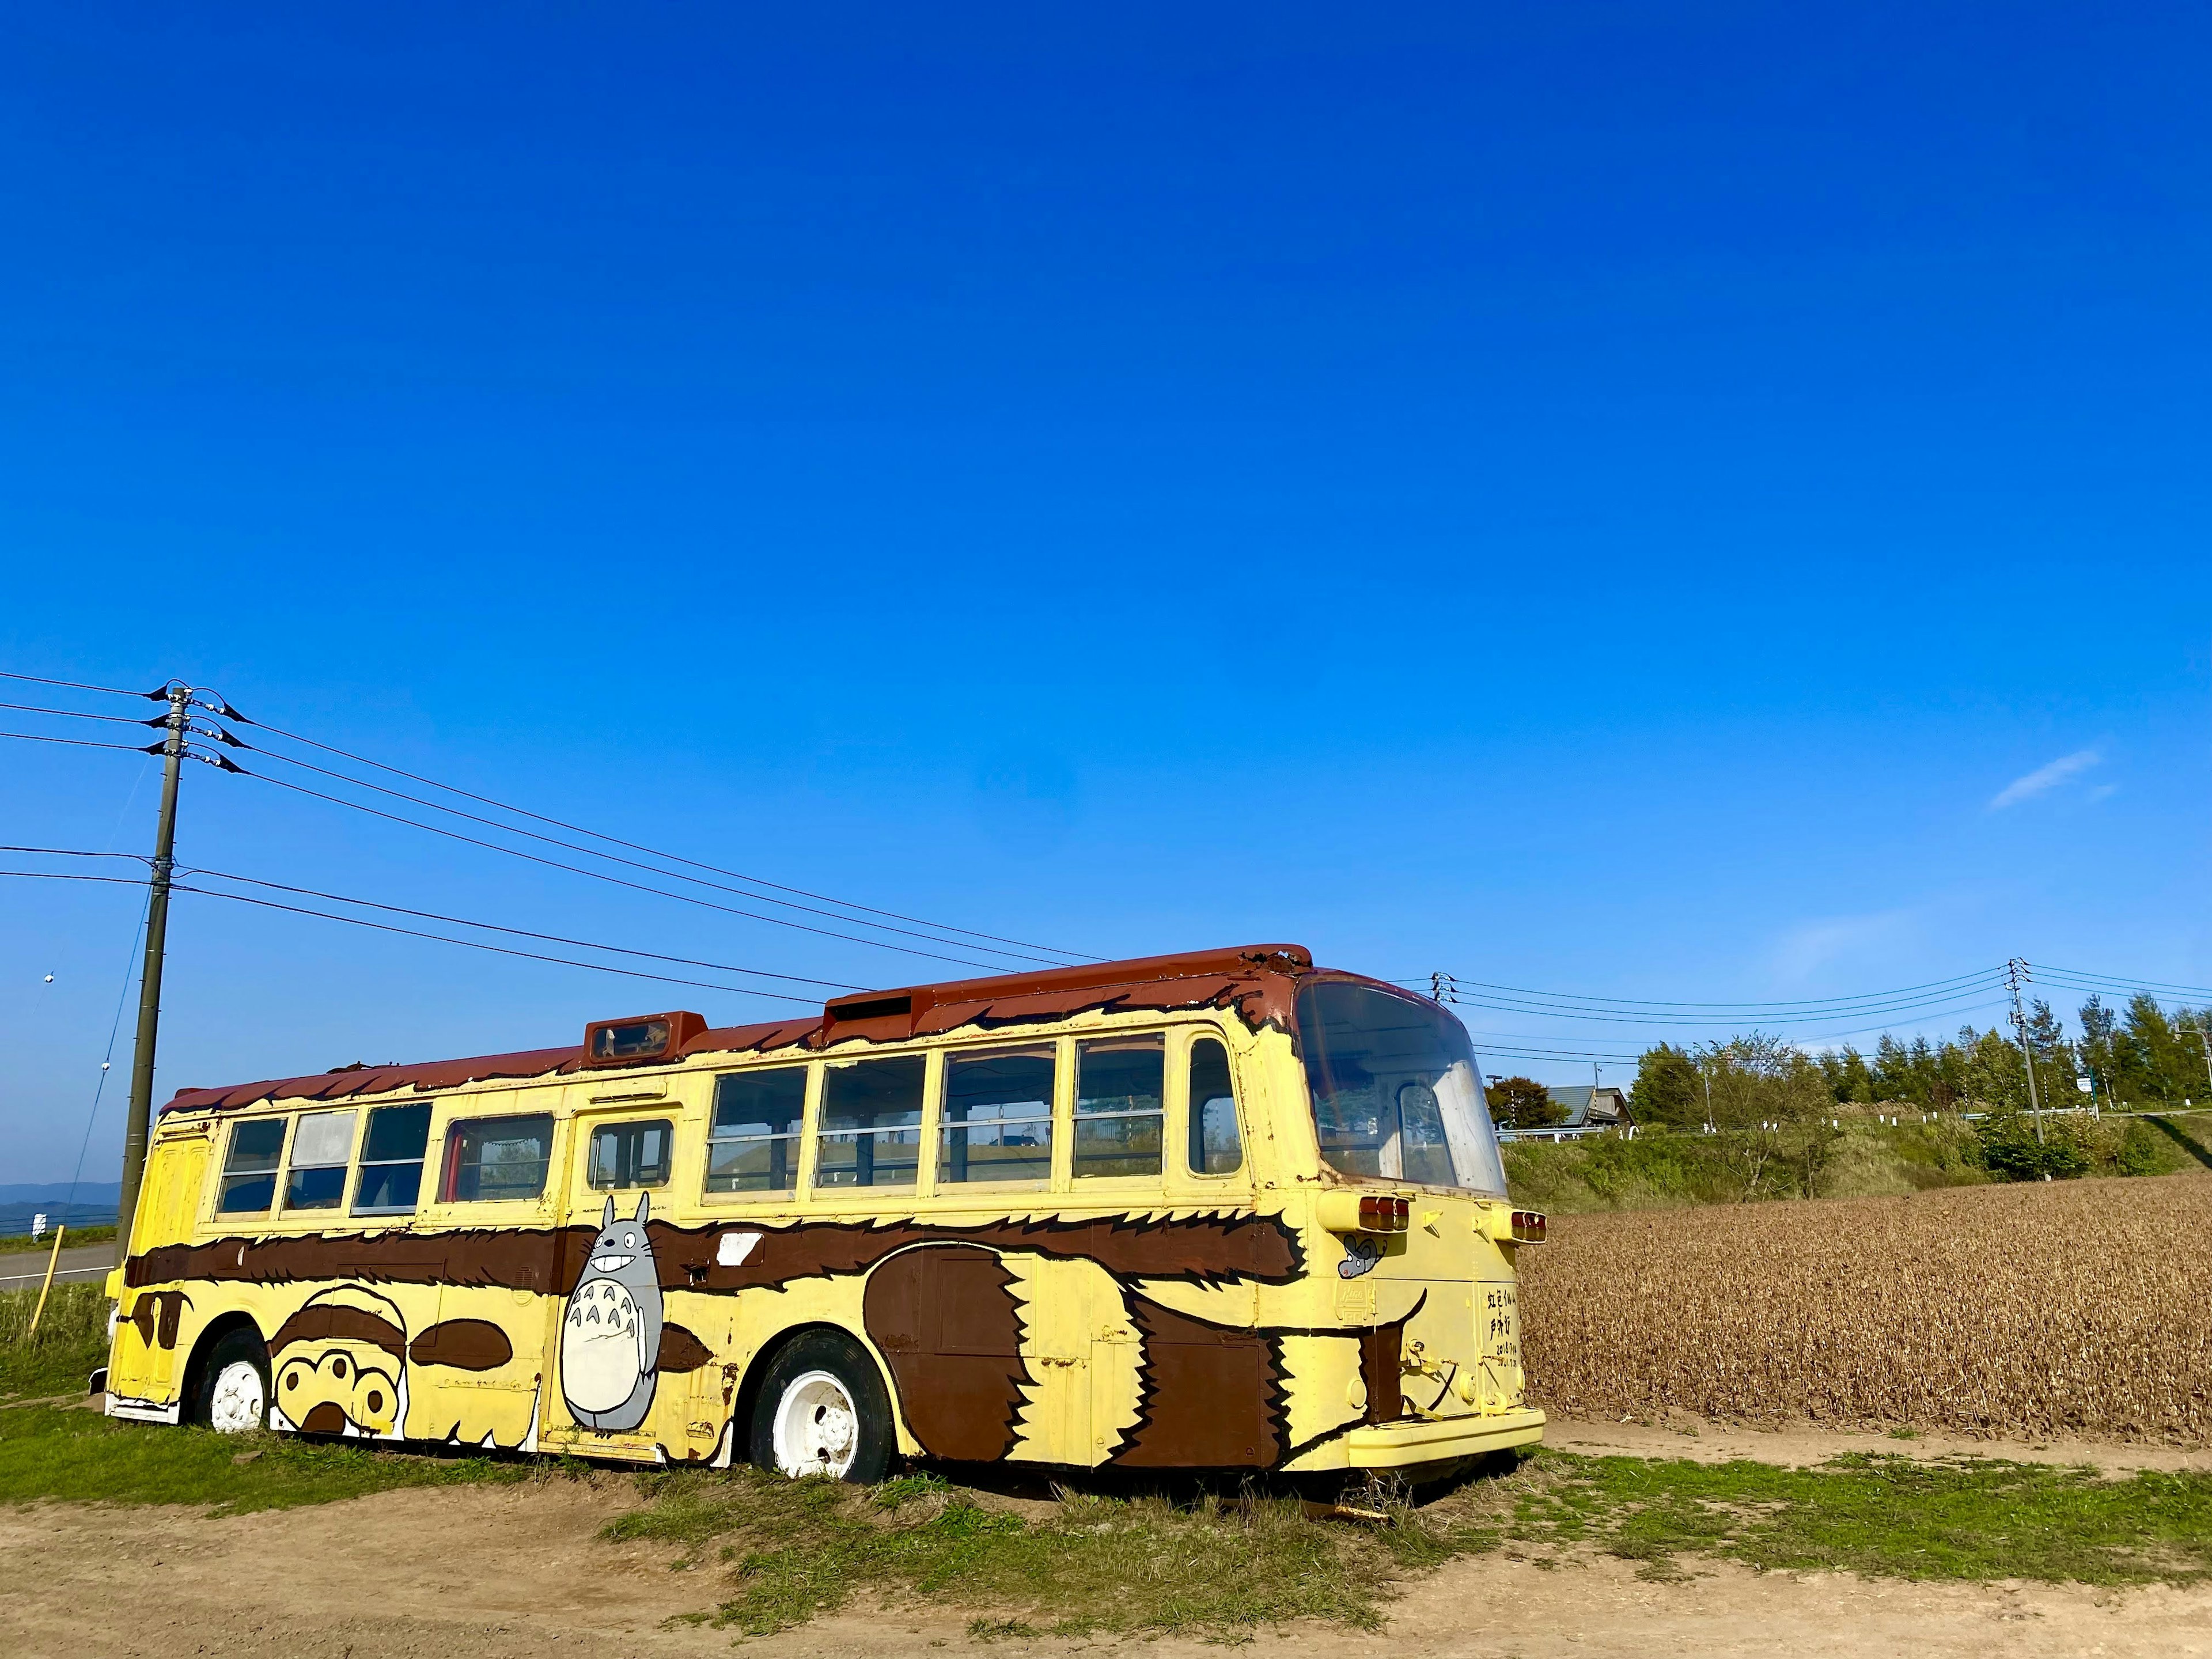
2079, 1307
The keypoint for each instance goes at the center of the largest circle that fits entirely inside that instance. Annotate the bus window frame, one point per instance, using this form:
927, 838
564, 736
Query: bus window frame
1118, 1185
787, 1198
483, 1109
285, 1211
1056, 1111
1179, 1108
812, 1193
219, 1171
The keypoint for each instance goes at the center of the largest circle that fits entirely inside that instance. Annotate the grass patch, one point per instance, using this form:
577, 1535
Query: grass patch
1219, 1569
70, 1345
1885, 1516
79, 1457
1097, 1564
11, 1244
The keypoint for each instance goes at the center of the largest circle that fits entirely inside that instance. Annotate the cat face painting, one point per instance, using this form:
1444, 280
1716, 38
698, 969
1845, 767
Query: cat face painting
611, 1329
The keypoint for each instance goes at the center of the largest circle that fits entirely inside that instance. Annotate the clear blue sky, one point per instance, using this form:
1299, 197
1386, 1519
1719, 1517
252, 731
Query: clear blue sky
1603, 498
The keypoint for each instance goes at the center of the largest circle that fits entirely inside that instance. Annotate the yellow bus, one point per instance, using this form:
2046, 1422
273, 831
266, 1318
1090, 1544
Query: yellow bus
1221, 1210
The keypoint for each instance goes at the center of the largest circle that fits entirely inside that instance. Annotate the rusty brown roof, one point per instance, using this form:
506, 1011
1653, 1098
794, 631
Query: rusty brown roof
1254, 980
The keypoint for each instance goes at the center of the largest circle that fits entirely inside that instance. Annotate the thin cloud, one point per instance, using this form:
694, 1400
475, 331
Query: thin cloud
2043, 778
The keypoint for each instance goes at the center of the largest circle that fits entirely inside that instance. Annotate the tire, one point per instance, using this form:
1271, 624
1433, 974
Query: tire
823, 1410
231, 1396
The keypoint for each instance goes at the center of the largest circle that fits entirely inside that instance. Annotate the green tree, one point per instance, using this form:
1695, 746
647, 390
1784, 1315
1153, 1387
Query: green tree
1669, 1090
2100, 1026
1772, 1106
1849, 1078
1520, 1102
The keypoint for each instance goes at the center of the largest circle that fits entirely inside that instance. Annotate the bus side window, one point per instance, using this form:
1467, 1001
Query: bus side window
392, 1160
997, 1117
631, 1154
1216, 1145
249, 1173
1118, 1085
871, 1133
322, 1146
492, 1158
753, 1147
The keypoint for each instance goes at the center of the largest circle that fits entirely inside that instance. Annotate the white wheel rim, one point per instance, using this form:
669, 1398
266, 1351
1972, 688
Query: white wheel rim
817, 1429
239, 1403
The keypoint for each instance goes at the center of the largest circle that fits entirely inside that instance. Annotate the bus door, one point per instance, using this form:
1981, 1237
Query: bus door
607, 1391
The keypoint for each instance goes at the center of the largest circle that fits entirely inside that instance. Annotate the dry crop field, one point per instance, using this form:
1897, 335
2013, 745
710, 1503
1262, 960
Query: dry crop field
2078, 1308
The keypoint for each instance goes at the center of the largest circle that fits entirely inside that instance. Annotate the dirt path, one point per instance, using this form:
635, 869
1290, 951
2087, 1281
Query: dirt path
521, 1571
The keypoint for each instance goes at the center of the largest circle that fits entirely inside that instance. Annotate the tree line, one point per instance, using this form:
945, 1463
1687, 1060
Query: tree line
2138, 1058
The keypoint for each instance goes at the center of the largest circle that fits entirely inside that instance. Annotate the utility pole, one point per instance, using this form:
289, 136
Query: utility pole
149, 985
2015, 971
2202, 1041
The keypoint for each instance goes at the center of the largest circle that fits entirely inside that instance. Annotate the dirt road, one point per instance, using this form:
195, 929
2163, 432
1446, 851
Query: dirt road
501, 1571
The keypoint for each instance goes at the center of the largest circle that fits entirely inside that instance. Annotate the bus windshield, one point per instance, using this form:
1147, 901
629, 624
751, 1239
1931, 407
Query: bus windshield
1396, 1092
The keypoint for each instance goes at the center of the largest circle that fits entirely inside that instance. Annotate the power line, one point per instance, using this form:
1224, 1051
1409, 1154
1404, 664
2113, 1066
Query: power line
588, 851
1637, 1003
85, 743
230, 713
523, 932
75, 714
496, 949
600, 875
1922, 1007
2076, 980
79, 685
74, 853
107, 1060
848, 910
473, 945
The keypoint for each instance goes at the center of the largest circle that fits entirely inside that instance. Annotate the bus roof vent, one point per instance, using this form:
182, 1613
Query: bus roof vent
640, 1039
876, 1015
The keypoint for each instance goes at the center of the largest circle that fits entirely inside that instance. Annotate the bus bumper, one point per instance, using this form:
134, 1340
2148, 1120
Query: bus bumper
1439, 1440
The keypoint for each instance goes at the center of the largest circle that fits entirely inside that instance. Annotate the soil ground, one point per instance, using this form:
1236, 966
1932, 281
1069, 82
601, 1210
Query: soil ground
512, 1570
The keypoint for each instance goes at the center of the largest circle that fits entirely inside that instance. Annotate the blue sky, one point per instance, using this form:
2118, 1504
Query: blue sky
1691, 503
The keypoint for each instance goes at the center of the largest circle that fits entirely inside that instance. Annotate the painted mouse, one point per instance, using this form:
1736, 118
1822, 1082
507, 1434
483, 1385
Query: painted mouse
611, 1329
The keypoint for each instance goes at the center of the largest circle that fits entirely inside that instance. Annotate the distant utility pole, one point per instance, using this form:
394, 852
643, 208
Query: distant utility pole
2015, 972
2202, 1041
149, 987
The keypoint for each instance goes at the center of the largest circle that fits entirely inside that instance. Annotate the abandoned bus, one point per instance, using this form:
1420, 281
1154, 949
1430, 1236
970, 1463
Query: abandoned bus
1223, 1210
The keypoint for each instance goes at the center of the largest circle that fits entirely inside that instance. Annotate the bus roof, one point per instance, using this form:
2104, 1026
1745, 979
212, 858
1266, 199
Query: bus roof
1254, 980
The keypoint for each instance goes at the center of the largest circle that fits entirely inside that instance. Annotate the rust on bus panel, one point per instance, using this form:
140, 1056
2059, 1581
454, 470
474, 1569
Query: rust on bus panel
1197, 1248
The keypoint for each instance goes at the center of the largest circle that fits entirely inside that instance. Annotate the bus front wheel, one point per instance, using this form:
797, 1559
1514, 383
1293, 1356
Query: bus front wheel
822, 1410
234, 1385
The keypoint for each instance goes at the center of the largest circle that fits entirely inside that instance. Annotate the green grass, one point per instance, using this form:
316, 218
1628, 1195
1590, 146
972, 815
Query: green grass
11, 1243
1147, 1566
79, 1457
1099, 1564
71, 1342
1887, 1516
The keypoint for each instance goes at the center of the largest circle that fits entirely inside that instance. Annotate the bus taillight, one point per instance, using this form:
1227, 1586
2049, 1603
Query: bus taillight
1384, 1214
1363, 1212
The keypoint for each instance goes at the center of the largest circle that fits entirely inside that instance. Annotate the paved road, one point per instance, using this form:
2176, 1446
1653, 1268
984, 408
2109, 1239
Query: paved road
88, 1263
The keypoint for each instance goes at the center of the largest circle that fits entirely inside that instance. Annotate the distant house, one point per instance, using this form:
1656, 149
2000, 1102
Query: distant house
1588, 1108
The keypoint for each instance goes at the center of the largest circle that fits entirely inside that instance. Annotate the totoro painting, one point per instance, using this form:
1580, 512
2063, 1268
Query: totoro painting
610, 1330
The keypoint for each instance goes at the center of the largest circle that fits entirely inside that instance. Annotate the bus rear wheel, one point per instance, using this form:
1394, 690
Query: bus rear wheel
232, 1395
822, 1410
